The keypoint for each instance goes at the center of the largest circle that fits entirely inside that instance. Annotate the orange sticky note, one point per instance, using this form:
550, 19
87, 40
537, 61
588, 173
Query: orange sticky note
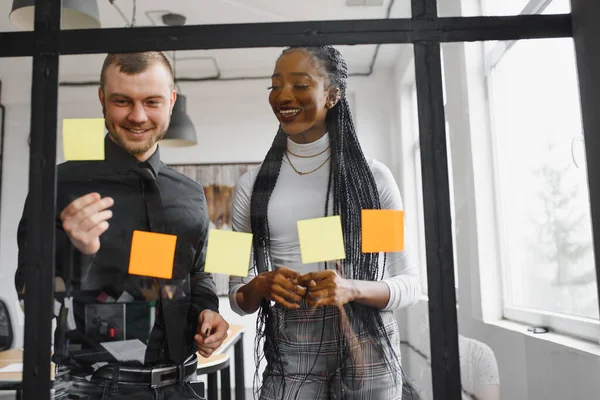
382, 231
152, 254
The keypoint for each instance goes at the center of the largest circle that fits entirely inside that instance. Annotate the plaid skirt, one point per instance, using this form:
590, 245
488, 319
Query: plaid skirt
310, 344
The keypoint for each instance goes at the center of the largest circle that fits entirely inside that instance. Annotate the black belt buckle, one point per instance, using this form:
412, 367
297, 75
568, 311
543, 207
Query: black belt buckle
157, 375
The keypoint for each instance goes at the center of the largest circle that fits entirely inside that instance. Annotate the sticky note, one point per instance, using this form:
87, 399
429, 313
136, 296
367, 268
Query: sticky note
228, 252
321, 239
152, 254
83, 139
382, 231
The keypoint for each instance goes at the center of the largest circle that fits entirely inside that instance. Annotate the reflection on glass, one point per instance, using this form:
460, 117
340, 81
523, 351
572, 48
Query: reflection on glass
479, 374
478, 370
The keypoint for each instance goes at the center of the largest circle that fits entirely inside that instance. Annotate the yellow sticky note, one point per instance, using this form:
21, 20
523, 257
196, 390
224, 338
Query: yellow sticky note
228, 252
321, 239
152, 254
83, 139
382, 231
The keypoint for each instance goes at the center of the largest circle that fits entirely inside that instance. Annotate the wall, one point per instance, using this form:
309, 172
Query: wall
234, 124
16, 88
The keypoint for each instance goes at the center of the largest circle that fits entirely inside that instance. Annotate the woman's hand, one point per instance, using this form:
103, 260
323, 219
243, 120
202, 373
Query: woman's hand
282, 287
328, 288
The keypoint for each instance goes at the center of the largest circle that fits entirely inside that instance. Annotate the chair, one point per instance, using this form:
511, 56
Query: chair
6, 330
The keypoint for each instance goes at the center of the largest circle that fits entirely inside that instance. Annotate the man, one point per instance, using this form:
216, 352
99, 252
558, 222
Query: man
119, 333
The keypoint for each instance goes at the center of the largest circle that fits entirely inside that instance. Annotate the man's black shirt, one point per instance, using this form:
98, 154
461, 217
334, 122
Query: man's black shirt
179, 300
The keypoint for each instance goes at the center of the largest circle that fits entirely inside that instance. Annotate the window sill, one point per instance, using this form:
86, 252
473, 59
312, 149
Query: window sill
586, 346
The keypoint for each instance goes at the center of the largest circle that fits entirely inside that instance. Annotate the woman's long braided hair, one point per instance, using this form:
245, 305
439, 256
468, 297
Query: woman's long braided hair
352, 188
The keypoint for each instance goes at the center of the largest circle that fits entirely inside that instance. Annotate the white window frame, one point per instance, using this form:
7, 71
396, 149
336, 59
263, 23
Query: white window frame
580, 327
411, 147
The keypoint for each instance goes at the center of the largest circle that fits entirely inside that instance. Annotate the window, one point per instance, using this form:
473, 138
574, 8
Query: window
415, 158
543, 217
411, 174
515, 7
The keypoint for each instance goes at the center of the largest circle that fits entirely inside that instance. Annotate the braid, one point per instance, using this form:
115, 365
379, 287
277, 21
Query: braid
352, 188
261, 194
266, 327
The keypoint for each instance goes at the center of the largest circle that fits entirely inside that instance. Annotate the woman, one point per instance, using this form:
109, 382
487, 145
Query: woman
328, 329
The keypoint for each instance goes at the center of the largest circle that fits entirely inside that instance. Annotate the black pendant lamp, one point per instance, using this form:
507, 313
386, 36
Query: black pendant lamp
76, 14
181, 131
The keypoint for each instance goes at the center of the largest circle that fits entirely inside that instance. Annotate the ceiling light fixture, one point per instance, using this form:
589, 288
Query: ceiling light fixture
76, 14
181, 132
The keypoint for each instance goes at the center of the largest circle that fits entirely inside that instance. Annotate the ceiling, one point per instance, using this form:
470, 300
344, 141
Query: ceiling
230, 63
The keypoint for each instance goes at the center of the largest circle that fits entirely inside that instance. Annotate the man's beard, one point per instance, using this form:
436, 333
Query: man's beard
141, 147
134, 151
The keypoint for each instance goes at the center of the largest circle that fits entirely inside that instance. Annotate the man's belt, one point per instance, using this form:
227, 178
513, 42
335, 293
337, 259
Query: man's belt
156, 377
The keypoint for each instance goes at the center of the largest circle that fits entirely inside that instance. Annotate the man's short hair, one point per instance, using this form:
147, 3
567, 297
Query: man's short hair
135, 63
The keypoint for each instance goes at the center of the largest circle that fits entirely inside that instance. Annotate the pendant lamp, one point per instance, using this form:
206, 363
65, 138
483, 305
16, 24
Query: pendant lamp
76, 14
181, 131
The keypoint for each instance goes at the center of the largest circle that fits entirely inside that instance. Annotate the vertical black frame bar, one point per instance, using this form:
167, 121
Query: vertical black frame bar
586, 34
443, 325
39, 286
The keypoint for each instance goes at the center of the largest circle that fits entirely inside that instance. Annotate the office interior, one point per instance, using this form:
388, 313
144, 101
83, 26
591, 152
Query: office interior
518, 122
